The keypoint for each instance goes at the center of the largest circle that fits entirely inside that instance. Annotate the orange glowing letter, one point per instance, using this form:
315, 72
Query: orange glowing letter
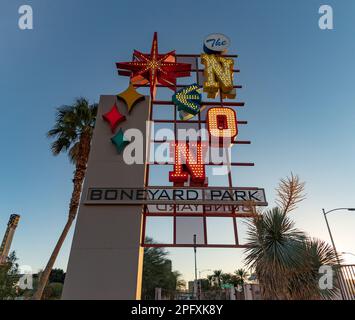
186, 162
222, 123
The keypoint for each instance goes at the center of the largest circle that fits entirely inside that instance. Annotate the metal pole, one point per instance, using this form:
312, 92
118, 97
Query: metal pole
336, 254
195, 253
331, 236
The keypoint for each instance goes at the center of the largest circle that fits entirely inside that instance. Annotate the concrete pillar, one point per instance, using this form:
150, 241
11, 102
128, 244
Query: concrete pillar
106, 257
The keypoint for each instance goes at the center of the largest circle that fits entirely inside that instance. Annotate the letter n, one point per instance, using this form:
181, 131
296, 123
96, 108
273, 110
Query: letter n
188, 163
218, 75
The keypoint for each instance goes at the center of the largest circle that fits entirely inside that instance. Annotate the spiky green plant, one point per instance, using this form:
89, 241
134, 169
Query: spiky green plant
275, 249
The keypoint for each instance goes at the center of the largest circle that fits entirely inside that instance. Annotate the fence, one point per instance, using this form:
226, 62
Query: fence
346, 275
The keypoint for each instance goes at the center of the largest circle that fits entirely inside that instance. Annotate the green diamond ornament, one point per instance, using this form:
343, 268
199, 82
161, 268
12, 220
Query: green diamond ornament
120, 141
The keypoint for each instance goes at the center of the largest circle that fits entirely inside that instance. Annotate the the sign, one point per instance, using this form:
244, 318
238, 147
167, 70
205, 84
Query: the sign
166, 195
120, 198
216, 43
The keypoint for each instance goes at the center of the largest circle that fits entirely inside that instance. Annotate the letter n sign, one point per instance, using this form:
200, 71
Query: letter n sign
188, 161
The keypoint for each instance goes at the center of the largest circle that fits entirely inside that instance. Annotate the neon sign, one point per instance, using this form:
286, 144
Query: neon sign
222, 124
216, 43
188, 99
154, 68
219, 76
186, 163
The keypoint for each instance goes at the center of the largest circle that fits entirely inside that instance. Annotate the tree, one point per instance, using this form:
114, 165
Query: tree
73, 131
285, 260
240, 275
9, 277
57, 276
217, 277
210, 280
226, 278
157, 272
53, 291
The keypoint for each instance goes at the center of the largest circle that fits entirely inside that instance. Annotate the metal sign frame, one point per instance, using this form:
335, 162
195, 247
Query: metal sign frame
233, 214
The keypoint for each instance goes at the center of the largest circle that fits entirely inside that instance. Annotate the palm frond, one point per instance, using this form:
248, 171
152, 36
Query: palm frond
71, 124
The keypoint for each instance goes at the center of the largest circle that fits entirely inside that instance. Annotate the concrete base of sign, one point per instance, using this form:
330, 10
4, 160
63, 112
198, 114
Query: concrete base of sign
106, 258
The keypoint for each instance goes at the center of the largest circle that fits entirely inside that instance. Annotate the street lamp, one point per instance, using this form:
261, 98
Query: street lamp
330, 233
195, 254
331, 238
348, 253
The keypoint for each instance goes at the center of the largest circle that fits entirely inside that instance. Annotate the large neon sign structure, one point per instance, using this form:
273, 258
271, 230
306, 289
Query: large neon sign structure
216, 79
120, 200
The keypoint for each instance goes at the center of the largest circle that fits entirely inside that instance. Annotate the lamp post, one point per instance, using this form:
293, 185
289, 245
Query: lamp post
195, 282
332, 240
330, 233
199, 281
348, 253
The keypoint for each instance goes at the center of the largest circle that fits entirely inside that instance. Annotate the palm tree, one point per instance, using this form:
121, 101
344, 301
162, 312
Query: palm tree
226, 278
210, 280
241, 275
73, 131
217, 276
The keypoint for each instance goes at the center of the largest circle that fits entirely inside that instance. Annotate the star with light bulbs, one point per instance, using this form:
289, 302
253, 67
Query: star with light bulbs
154, 68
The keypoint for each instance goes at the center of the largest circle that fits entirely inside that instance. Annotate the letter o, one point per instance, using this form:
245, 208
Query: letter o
222, 123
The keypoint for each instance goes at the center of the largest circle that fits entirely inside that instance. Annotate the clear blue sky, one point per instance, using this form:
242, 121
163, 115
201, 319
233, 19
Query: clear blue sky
298, 87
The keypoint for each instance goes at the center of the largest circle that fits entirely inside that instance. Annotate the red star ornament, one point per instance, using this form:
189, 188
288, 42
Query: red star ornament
154, 68
113, 117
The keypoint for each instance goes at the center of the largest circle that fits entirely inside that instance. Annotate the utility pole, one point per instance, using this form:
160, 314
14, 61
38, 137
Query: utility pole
196, 281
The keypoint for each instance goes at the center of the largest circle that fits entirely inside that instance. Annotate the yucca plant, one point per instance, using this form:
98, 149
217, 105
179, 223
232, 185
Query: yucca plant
304, 283
285, 260
275, 250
